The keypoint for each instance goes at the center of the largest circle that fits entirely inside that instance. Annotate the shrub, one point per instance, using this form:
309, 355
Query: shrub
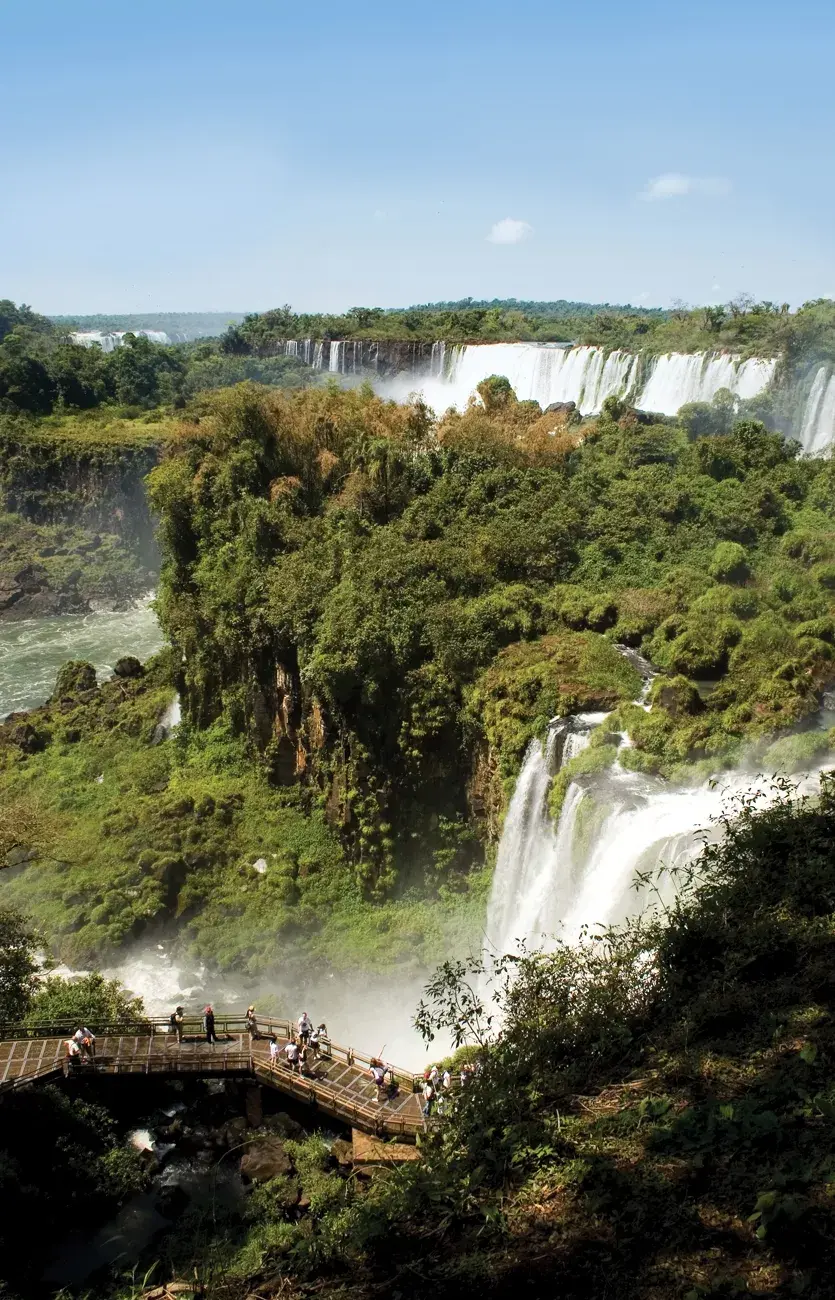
728, 563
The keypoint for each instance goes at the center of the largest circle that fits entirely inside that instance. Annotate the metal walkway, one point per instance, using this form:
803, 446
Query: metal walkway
337, 1083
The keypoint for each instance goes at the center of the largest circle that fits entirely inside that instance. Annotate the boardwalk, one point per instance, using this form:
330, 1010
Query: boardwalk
338, 1084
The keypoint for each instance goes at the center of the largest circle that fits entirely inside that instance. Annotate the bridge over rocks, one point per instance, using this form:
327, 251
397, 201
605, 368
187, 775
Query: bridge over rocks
337, 1083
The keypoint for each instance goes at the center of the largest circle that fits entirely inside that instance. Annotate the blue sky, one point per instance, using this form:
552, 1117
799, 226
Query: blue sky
199, 155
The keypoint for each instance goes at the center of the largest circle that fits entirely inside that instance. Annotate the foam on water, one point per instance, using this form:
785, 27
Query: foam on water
551, 882
32, 650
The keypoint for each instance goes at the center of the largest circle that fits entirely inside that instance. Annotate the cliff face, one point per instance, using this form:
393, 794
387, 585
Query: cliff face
76, 526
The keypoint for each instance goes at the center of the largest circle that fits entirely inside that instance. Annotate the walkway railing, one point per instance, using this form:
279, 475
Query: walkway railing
151, 1026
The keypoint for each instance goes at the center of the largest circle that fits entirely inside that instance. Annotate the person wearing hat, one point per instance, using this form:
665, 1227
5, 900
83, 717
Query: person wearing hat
176, 1024
251, 1024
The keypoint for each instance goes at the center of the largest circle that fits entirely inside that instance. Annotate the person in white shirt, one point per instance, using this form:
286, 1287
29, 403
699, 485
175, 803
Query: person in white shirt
273, 1049
291, 1051
86, 1040
447, 1079
305, 1027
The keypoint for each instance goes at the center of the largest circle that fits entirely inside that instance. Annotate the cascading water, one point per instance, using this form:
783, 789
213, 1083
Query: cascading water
680, 377
110, 339
817, 428
554, 372
550, 883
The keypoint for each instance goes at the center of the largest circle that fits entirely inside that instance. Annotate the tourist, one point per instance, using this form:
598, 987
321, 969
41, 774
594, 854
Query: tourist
428, 1099
209, 1025
447, 1079
273, 1049
251, 1024
319, 1040
73, 1054
434, 1076
305, 1027
378, 1074
86, 1040
176, 1024
291, 1051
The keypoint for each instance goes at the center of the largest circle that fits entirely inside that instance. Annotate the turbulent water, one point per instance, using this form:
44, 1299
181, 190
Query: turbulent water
32, 650
550, 882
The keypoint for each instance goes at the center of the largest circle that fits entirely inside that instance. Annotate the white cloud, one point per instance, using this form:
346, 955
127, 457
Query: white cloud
510, 231
674, 185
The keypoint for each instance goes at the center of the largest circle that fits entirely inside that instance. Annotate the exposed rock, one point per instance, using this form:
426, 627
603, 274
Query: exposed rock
282, 1123
343, 1151
128, 666
74, 677
678, 695
264, 1160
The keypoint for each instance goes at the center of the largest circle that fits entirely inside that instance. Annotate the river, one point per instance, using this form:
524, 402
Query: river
32, 651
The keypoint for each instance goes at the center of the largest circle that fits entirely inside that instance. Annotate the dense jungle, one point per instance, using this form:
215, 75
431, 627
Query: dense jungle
370, 611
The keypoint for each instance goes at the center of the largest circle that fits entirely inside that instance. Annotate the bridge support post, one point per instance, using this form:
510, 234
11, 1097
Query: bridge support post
254, 1106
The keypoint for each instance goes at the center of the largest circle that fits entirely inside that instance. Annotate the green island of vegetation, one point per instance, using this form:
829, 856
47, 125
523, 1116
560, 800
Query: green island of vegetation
370, 613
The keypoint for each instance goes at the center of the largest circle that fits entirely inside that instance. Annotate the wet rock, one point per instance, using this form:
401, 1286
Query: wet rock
236, 1131
282, 1124
265, 1160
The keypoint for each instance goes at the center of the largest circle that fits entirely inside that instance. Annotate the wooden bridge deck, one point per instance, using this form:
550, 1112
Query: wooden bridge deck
337, 1084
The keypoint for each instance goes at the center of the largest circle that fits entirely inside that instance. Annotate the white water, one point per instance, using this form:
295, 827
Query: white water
368, 1011
680, 377
110, 339
552, 372
817, 428
550, 883
32, 650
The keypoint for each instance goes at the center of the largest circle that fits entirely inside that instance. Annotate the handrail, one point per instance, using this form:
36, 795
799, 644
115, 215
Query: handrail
193, 1025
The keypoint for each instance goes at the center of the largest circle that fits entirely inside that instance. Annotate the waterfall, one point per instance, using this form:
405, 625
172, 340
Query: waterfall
679, 377
110, 339
817, 427
335, 357
550, 883
558, 372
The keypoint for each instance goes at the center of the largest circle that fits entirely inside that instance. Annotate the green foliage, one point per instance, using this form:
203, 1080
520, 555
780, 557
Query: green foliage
18, 964
728, 563
678, 1064
89, 999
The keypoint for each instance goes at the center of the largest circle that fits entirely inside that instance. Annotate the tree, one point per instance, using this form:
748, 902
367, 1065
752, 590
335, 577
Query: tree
18, 964
91, 999
496, 392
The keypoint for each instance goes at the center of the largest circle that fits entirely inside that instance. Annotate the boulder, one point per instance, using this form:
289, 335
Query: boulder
264, 1160
343, 1151
74, 677
128, 666
283, 1124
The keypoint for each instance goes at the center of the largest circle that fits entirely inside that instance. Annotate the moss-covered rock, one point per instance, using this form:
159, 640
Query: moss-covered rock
74, 678
532, 682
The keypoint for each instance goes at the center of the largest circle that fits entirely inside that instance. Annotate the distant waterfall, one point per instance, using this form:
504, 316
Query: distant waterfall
555, 372
817, 427
110, 339
551, 882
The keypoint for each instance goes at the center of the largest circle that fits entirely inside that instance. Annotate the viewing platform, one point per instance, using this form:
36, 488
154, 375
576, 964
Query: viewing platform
337, 1083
